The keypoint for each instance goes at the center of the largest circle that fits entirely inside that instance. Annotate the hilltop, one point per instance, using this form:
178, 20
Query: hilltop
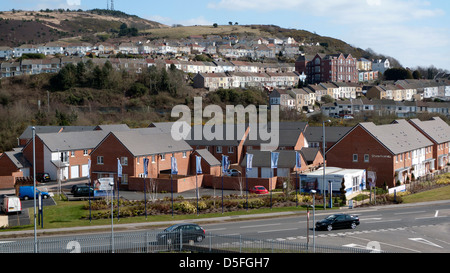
34, 27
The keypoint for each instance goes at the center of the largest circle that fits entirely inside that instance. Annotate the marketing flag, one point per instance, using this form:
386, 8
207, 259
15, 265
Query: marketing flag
89, 168
225, 163
298, 160
274, 160
174, 167
249, 162
119, 168
145, 167
198, 160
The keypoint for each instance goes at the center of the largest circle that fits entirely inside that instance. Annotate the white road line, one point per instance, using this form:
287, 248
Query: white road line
265, 225
436, 214
384, 221
277, 230
411, 212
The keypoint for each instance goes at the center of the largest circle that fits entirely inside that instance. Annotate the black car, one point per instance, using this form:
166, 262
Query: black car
336, 221
83, 191
42, 177
188, 232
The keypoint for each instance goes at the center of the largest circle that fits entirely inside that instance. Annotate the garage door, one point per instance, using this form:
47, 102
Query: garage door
84, 170
266, 172
74, 172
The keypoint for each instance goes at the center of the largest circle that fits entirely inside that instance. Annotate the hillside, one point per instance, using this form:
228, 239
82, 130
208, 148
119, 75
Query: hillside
34, 27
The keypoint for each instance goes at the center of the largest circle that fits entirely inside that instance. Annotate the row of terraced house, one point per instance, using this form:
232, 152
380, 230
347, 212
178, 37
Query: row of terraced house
395, 153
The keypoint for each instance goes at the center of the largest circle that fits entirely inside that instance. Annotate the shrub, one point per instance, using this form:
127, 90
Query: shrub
187, 207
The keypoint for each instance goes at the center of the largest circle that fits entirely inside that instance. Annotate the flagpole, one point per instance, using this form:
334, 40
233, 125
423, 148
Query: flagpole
222, 178
145, 186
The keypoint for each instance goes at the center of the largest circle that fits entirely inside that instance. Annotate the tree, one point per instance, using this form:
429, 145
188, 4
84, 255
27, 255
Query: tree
394, 74
416, 74
215, 25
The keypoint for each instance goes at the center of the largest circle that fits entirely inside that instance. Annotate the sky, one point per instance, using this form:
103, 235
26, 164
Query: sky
415, 32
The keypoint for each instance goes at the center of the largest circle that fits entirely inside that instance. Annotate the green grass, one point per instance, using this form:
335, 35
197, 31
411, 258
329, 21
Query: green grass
442, 193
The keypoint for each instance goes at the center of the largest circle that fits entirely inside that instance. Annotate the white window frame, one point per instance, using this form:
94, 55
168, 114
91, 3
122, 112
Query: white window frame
100, 160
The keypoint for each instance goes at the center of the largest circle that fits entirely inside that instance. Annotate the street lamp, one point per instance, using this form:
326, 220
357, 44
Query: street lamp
323, 178
112, 217
314, 220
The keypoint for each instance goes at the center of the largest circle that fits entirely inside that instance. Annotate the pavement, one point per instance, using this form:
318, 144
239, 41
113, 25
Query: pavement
191, 194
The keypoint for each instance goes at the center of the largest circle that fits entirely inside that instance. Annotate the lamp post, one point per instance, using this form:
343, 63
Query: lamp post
314, 220
34, 187
324, 164
112, 216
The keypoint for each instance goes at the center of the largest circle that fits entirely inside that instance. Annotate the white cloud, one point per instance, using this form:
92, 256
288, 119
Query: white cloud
74, 2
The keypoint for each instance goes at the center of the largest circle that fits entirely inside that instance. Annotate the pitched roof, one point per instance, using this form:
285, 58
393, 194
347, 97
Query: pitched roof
309, 154
17, 158
436, 129
71, 141
208, 157
150, 141
332, 133
398, 137
28, 133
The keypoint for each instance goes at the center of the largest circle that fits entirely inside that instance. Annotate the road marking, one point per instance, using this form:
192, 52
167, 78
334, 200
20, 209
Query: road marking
384, 221
411, 212
276, 230
423, 241
265, 225
436, 214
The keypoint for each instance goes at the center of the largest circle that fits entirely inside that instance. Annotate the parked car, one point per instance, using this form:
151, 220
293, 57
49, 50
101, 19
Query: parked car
83, 191
74, 187
188, 232
27, 192
42, 177
336, 221
11, 204
232, 172
259, 190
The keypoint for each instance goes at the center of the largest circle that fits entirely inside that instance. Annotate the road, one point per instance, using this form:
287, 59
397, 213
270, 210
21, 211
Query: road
421, 228
418, 229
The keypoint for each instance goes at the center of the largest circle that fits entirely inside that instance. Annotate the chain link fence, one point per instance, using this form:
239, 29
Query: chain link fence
152, 242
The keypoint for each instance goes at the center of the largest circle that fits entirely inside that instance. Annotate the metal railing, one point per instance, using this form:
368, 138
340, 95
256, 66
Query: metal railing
148, 242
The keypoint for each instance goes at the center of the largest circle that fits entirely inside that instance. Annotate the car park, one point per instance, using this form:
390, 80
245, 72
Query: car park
187, 232
336, 221
259, 190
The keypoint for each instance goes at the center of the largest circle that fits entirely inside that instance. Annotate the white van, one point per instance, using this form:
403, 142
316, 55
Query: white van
11, 204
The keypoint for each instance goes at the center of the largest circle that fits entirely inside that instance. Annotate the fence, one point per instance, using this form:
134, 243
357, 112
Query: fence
151, 242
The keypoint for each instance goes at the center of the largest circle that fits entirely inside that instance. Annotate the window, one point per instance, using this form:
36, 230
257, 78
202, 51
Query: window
355, 158
219, 149
99, 160
72, 153
366, 158
85, 152
184, 154
64, 157
124, 161
153, 158
163, 157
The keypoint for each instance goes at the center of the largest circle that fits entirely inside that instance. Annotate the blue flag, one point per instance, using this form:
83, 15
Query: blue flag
225, 163
249, 162
298, 160
274, 160
174, 167
119, 168
198, 160
89, 169
145, 167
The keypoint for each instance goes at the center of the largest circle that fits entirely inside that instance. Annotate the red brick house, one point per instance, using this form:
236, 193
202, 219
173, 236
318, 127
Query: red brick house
131, 148
438, 132
63, 154
394, 152
332, 68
